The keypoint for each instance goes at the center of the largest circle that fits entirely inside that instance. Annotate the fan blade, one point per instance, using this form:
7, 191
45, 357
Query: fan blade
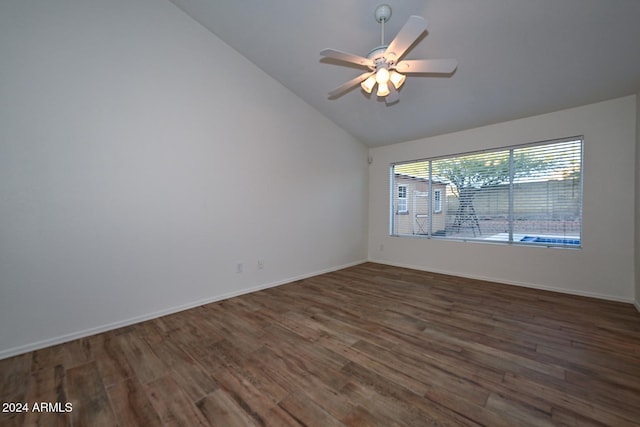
415, 26
347, 57
393, 96
348, 85
433, 66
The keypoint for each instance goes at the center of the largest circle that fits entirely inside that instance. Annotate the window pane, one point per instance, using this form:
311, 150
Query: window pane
546, 195
477, 196
410, 210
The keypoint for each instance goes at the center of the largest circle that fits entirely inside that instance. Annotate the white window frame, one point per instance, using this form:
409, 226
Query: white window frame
404, 199
437, 201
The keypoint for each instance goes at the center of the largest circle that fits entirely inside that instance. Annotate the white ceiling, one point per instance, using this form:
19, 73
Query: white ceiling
516, 58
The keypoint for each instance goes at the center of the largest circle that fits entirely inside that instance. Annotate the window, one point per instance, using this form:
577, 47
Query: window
525, 194
403, 205
437, 201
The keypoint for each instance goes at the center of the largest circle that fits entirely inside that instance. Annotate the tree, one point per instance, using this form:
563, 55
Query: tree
469, 174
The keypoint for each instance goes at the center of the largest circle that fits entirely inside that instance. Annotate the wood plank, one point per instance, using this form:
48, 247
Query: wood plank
91, 406
307, 412
219, 408
172, 405
111, 360
192, 378
146, 365
419, 369
361, 417
131, 404
468, 409
252, 401
561, 399
50, 357
517, 413
14, 378
48, 385
398, 402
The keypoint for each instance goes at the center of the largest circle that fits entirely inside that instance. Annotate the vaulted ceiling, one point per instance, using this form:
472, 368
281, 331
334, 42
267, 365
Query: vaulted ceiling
516, 58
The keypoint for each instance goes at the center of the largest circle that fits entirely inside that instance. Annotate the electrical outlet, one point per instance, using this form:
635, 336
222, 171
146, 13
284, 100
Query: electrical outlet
381, 248
239, 267
260, 264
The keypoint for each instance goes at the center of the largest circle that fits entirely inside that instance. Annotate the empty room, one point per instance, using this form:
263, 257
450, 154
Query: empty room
250, 213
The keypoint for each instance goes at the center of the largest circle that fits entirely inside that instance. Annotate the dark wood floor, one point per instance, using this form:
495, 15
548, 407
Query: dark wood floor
368, 345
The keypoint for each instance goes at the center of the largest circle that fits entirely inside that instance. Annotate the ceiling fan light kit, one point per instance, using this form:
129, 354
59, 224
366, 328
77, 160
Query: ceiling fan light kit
368, 84
384, 62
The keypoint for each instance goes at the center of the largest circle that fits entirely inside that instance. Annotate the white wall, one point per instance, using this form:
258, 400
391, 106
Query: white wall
637, 197
603, 268
141, 158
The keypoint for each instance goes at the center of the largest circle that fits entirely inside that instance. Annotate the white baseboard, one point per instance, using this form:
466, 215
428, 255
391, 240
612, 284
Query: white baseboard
637, 304
14, 351
515, 283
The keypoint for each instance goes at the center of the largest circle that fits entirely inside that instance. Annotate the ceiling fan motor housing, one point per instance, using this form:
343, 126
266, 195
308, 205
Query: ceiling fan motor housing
377, 52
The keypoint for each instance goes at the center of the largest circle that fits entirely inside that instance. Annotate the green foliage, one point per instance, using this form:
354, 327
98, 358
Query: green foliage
475, 171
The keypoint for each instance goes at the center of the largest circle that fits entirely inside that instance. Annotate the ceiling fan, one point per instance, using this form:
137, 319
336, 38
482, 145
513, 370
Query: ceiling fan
385, 65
